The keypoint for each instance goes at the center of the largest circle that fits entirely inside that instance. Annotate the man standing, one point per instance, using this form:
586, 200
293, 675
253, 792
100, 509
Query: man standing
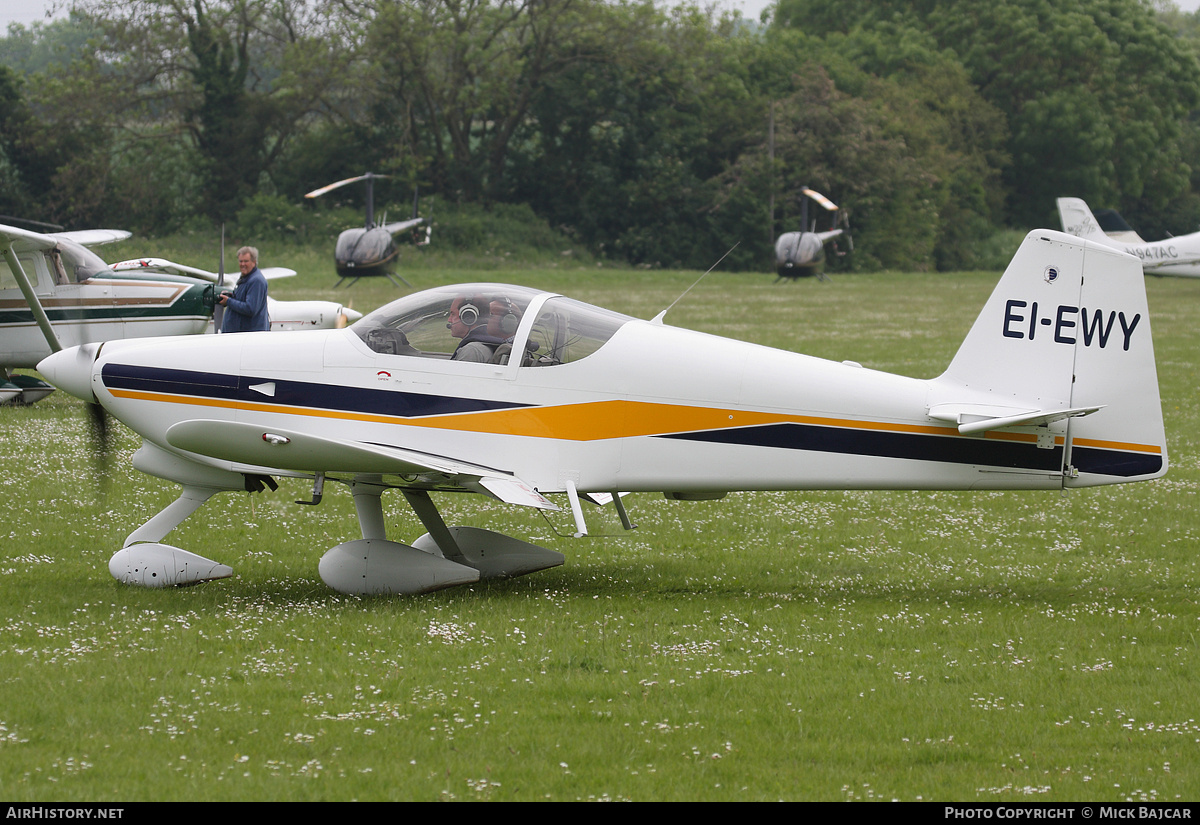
246, 307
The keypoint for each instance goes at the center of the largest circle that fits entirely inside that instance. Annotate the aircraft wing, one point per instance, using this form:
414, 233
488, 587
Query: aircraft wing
39, 240
161, 266
251, 444
35, 240
95, 237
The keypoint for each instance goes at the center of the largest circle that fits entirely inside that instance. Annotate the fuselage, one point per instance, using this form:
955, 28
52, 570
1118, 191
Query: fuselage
1179, 257
651, 407
364, 251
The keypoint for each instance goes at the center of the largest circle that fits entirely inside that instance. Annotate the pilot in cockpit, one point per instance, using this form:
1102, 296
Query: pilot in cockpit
482, 324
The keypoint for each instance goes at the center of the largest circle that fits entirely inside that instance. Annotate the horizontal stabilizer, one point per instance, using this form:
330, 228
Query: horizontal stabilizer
977, 418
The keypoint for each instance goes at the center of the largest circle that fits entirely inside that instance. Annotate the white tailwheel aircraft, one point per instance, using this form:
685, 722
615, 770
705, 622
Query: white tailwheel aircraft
57, 280
1179, 257
518, 394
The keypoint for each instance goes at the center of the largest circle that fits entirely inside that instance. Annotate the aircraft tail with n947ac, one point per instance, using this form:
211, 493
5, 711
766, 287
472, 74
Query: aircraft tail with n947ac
1054, 387
1177, 256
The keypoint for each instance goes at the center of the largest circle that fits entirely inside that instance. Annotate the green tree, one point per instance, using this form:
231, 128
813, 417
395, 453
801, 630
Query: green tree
626, 149
453, 80
237, 78
1094, 91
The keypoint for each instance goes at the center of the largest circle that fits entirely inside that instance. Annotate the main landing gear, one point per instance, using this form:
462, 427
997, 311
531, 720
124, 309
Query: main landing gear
446, 556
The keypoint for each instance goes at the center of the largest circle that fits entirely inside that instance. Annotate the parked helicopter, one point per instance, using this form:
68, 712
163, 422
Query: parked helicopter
1054, 387
802, 254
371, 249
1178, 257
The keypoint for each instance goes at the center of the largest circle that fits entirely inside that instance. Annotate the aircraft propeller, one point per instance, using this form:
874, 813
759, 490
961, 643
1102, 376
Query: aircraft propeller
218, 307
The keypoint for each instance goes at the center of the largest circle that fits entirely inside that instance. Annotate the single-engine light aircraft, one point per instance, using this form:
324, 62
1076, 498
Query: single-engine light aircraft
519, 394
86, 300
802, 254
57, 280
1178, 257
371, 249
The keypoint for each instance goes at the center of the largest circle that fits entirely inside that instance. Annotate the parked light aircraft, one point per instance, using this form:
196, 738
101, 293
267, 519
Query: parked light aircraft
371, 249
1053, 388
802, 254
56, 278
1174, 256
87, 300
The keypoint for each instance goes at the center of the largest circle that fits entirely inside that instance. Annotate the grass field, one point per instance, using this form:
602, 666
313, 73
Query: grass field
835, 646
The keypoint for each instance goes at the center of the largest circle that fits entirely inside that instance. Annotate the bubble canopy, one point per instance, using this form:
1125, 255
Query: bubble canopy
488, 322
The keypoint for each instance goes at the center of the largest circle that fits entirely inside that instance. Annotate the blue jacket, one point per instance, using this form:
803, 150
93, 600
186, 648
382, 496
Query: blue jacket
246, 310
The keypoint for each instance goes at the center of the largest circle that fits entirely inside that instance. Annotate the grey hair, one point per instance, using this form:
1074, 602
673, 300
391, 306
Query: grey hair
253, 251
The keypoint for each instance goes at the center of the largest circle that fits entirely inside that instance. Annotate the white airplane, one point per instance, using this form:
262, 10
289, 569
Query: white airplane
802, 254
1054, 388
85, 300
56, 280
1174, 256
284, 315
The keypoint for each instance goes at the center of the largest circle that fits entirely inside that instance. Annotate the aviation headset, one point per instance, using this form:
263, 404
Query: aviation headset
469, 314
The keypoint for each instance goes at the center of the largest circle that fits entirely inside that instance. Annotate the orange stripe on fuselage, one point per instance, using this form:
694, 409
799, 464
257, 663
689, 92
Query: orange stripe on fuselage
600, 420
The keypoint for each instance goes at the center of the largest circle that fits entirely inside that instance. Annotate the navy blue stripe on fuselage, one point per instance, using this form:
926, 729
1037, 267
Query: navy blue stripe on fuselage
1114, 462
949, 449
290, 393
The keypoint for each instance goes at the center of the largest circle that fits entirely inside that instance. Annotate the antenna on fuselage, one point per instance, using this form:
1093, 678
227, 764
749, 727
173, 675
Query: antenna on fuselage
658, 319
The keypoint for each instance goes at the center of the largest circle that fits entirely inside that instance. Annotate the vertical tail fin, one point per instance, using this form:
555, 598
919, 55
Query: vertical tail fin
1078, 220
1063, 346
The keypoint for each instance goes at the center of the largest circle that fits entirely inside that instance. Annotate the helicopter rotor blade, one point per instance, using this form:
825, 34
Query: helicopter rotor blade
819, 198
316, 193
